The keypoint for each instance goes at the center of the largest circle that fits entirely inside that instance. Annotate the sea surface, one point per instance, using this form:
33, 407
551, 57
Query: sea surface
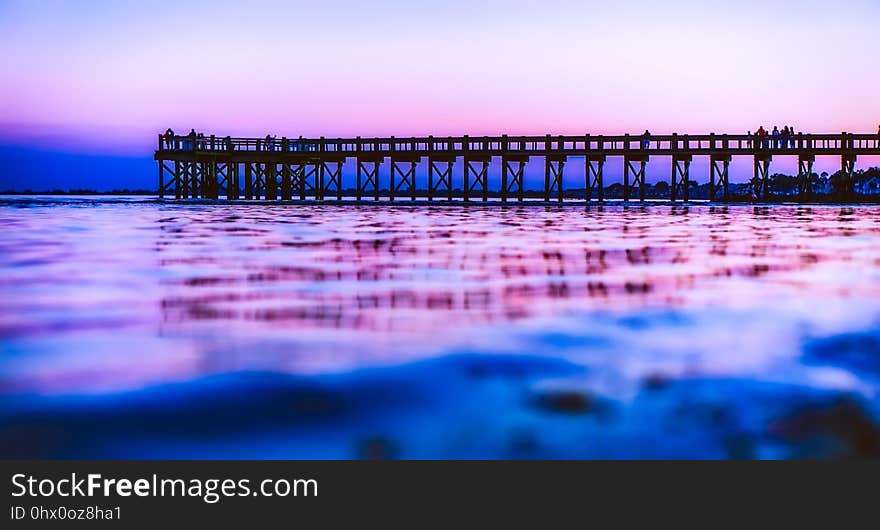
131, 328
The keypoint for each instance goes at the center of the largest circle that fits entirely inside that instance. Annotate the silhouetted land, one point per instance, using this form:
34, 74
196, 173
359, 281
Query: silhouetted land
783, 187
78, 192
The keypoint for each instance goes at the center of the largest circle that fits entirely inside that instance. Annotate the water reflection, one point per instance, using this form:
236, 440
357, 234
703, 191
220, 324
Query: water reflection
150, 330
379, 270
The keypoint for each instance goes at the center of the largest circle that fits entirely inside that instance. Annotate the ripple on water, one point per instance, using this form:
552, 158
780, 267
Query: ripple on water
143, 329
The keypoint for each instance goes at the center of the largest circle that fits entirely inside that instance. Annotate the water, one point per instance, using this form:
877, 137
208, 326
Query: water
135, 329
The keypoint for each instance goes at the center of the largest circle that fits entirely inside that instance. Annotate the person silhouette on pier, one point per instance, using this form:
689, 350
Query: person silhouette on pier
791, 137
169, 138
761, 133
775, 135
646, 139
784, 137
192, 140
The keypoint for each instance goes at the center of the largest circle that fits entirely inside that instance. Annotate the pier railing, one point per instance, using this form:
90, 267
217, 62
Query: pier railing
532, 145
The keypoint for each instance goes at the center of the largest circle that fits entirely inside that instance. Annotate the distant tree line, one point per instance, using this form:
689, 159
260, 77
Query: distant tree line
828, 187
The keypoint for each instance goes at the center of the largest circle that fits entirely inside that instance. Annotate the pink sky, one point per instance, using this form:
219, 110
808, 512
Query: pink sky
77, 71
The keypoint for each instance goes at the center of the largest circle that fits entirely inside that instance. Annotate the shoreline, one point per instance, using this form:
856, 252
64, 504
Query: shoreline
384, 202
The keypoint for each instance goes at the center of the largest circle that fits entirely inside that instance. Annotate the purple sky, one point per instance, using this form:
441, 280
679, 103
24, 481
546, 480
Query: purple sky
99, 78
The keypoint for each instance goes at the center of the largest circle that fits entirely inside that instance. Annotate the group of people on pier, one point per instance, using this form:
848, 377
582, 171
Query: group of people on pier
191, 141
271, 143
198, 141
776, 139
786, 138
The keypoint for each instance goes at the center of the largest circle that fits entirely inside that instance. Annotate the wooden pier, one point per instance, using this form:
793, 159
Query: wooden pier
299, 168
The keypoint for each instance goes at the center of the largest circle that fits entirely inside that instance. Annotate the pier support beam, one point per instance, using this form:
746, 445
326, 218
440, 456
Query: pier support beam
213, 180
805, 176
232, 184
178, 181
719, 172
594, 179
848, 169
479, 173
188, 176
681, 172
259, 179
439, 177
331, 175
218, 178
198, 187
195, 179
368, 175
305, 176
554, 165
270, 174
248, 181
286, 182
512, 169
761, 180
202, 187
161, 189
638, 174
173, 181
190, 188
407, 176
198, 179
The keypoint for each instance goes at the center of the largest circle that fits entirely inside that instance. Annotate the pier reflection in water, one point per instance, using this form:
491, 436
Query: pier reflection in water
154, 330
